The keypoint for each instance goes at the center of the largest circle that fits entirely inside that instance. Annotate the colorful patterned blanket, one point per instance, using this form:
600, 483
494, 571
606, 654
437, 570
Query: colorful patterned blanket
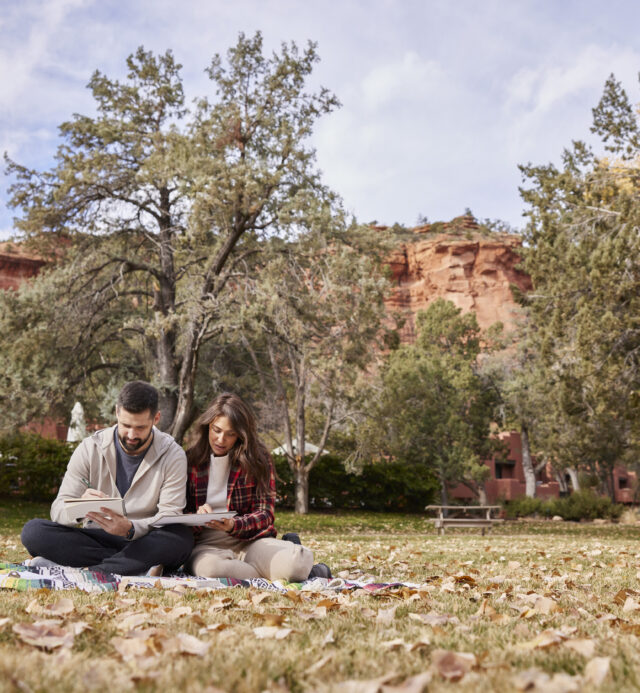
17, 576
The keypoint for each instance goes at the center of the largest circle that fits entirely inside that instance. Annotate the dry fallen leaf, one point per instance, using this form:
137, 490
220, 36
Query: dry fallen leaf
545, 605
271, 619
582, 646
295, 596
217, 627
130, 648
329, 604
319, 664
452, 665
259, 598
222, 603
267, 632
530, 680
413, 684
130, 621
386, 616
596, 670
545, 639
630, 604
189, 644
45, 634
433, 618
177, 612
396, 644
363, 686
537, 681
486, 609
328, 638
60, 607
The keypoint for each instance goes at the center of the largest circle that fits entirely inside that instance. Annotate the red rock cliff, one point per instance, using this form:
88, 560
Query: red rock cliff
473, 270
454, 261
16, 265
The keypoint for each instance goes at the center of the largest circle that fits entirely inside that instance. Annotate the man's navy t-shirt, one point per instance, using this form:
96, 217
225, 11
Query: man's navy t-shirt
126, 466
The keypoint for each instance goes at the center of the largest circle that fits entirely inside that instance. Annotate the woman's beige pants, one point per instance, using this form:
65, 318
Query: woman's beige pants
218, 554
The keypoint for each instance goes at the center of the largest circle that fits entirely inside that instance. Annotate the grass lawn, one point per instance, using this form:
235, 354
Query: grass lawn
532, 606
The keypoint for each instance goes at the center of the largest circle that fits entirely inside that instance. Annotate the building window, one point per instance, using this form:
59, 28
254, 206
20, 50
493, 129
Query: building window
504, 470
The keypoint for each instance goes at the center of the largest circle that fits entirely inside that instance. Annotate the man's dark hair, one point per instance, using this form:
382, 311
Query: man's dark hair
138, 396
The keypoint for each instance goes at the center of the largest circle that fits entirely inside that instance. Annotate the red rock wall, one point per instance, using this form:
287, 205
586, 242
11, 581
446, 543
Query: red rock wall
475, 273
16, 266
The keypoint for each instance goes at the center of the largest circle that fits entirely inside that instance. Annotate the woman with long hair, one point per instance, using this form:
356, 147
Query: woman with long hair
230, 469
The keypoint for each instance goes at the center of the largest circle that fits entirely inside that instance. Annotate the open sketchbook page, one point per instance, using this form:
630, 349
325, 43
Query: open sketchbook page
193, 519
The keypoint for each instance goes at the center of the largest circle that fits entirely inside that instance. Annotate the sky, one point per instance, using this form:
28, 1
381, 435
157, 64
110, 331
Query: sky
441, 99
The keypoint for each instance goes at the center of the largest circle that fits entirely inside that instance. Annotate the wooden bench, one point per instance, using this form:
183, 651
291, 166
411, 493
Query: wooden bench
481, 516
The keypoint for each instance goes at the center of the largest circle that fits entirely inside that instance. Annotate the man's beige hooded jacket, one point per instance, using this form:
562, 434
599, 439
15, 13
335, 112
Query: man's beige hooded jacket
158, 488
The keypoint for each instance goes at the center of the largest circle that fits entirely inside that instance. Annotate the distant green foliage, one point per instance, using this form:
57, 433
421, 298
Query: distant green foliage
432, 407
581, 505
390, 486
582, 251
32, 467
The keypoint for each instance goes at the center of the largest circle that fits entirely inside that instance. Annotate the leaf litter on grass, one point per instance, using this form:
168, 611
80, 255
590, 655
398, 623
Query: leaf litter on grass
481, 612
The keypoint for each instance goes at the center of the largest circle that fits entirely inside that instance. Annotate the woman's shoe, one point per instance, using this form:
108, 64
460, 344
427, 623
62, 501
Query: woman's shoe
292, 537
320, 570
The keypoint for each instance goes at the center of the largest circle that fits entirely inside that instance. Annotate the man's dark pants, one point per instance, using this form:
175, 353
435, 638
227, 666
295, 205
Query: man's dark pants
98, 550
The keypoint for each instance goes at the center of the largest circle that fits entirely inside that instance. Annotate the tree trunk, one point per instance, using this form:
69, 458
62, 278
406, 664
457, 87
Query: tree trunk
573, 475
611, 484
444, 496
164, 307
183, 414
527, 464
301, 480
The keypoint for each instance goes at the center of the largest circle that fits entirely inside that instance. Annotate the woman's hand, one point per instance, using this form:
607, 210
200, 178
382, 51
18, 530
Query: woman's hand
224, 525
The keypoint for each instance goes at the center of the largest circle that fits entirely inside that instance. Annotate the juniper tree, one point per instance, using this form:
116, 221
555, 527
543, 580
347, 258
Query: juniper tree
433, 408
150, 210
582, 251
313, 320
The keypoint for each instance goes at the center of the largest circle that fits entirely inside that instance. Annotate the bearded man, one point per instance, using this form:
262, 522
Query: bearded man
133, 461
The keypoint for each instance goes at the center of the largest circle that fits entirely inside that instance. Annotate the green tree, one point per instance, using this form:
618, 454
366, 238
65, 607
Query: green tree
146, 217
520, 387
433, 408
313, 320
582, 251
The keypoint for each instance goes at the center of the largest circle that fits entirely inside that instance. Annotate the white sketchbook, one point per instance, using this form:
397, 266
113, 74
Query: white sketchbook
193, 519
77, 508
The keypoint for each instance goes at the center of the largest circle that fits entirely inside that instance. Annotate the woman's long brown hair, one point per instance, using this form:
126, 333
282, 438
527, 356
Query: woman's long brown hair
249, 451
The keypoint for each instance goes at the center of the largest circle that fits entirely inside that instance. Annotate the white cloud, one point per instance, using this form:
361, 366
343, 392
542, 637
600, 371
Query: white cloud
548, 105
29, 47
407, 80
440, 100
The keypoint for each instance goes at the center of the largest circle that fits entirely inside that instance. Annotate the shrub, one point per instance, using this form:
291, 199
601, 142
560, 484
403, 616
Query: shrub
524, 507
32, 467
390, 486
581, 505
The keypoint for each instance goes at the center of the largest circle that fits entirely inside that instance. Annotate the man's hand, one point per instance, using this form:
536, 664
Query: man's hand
111, 522
93, 493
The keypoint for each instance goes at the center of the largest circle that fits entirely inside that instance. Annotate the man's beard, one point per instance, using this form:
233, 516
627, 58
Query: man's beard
132, 448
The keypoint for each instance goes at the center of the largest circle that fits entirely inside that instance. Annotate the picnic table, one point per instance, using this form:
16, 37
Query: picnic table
464, 516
